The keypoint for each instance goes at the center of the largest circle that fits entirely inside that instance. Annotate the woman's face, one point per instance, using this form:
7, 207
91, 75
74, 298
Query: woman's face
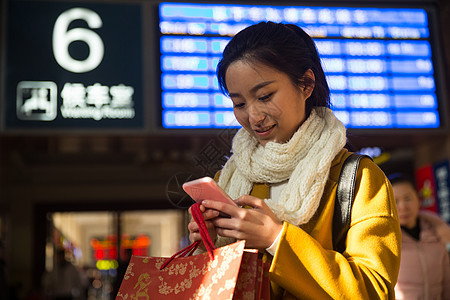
408, 203
266, 102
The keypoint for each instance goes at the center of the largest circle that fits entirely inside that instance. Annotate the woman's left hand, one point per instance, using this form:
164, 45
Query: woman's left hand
258, 225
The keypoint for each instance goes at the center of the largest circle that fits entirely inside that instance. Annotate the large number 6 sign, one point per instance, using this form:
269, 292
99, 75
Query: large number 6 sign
63, 37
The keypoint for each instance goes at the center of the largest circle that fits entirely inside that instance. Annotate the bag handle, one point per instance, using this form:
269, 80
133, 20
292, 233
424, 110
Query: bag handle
189, 250
198, 218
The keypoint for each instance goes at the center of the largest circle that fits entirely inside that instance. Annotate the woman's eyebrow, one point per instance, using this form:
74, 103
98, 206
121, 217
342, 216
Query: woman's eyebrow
254, 89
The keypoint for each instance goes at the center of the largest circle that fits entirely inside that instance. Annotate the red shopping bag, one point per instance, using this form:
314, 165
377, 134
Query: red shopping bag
229, 272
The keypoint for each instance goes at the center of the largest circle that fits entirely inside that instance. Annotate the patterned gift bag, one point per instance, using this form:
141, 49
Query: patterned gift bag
229, 272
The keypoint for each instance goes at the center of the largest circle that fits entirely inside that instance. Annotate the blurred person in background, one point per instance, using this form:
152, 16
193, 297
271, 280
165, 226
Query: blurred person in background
64, 281
424, 266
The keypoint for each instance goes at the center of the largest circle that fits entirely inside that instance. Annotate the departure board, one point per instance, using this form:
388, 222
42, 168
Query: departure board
378, 62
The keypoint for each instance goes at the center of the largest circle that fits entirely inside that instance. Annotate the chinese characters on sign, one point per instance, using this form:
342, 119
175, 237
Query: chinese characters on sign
37, 101
442, 175
97, 101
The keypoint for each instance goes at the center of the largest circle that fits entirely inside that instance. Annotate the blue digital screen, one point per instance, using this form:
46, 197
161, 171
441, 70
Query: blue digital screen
378, 62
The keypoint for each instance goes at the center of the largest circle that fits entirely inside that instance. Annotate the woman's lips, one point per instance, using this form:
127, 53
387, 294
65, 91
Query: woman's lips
264, 132
404, 217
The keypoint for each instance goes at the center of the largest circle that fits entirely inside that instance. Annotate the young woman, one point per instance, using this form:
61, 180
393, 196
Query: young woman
284, 170
424, 268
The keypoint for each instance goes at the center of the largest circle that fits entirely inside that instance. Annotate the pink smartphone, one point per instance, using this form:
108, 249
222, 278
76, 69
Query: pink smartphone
206, 189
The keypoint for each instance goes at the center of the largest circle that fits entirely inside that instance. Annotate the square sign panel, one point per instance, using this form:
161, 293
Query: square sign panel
73, 66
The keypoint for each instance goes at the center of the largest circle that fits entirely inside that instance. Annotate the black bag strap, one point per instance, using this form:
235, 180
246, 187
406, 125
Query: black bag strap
344, 200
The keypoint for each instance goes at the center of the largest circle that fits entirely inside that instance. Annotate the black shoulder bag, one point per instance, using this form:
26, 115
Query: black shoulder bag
344, 200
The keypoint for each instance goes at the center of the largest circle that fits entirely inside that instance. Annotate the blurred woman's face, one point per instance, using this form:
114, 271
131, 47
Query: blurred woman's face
266, 102
408, 203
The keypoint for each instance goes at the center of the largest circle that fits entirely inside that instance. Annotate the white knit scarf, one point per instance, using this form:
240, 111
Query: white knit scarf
305, 161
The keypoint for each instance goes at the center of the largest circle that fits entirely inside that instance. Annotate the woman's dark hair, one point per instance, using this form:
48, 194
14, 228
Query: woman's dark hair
400, 178
285, 47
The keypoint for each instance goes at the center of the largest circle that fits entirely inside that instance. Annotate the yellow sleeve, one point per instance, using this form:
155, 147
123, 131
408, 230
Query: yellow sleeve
367, 269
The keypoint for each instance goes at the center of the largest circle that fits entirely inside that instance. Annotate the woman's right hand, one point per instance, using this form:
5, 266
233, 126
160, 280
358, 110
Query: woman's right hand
208, 215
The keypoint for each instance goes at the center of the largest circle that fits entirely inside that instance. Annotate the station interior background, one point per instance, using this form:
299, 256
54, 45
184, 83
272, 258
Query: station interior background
84, 189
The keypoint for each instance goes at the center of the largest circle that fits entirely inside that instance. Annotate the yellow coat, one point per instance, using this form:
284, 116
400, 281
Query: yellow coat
305, 266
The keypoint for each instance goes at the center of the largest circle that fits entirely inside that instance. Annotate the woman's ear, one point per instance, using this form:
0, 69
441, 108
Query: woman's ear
309, 83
